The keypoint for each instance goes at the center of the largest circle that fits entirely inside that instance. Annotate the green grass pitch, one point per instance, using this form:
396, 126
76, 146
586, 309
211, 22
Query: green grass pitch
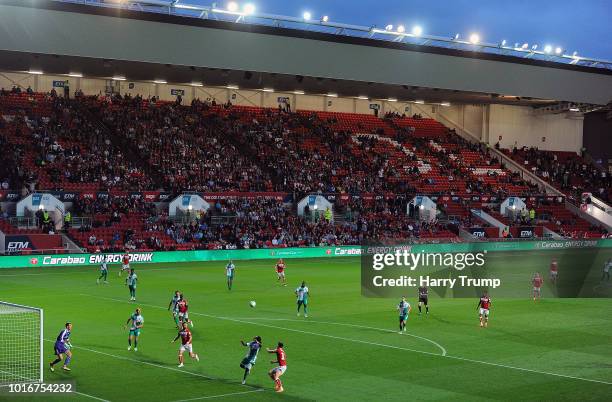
348, 348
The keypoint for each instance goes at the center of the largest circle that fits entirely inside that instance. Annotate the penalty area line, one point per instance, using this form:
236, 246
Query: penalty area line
373, 343
149, 364
219, 396
276, 327
29, 380
90, 396
442, 349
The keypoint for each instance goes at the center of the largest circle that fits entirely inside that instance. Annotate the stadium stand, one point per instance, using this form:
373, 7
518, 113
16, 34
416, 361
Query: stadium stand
122, 145
567, 171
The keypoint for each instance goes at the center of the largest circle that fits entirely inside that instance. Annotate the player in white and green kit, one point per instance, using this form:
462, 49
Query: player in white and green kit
103, 272
137, 323
302, 294
404, 309
249, 360
174, 307
131, 281
229, 272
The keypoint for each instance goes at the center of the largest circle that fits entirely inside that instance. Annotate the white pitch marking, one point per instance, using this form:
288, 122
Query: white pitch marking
93, 268
148, 363
382, 345
91, 396
276, 327
219, 396
73, 392
346, 325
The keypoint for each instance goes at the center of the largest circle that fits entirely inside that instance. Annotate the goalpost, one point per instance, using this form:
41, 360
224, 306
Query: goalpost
21, 343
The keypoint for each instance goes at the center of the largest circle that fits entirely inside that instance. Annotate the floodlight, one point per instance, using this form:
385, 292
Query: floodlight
249, 8
474, 38
232, 6
417, 30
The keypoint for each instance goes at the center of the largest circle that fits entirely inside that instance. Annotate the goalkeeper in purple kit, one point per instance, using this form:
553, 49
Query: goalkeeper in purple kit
62, 346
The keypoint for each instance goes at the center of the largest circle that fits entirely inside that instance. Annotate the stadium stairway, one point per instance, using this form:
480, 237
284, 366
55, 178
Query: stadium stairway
480, 214
514, 166
70, 245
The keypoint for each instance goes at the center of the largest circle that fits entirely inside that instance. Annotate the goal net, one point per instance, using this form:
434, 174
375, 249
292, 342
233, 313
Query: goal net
21, 348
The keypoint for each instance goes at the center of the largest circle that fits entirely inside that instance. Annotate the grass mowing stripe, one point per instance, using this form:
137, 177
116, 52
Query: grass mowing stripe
148, 363
90, 396
530, 370
94, 268
416, 351
377, 344
74, 392
219, 396
276, 327
346, 325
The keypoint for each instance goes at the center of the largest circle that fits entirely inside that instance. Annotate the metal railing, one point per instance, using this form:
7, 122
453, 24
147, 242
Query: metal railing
24, 222
324, 25
81, 221
28, 222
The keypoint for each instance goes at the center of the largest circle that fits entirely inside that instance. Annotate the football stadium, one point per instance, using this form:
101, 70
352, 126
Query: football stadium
216, 201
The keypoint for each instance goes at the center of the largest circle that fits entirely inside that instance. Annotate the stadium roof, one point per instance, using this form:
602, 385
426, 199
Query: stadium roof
61, 56
398, 34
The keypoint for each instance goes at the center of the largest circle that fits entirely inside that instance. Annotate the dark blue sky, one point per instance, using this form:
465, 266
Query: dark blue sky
582, 25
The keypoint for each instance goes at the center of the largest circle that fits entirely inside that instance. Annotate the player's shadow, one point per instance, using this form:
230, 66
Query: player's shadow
195, 378
437, 318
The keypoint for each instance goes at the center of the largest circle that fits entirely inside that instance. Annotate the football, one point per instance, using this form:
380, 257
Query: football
252, 303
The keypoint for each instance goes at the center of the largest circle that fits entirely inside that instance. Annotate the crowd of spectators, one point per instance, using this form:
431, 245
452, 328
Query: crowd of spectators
130, 143
75, 149
186, 147
569, 172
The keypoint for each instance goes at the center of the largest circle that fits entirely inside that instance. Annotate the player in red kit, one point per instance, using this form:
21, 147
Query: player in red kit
280, 272
484, 305
183, 312
537, 286
278, 371
125, 263
186, 338
554, 271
